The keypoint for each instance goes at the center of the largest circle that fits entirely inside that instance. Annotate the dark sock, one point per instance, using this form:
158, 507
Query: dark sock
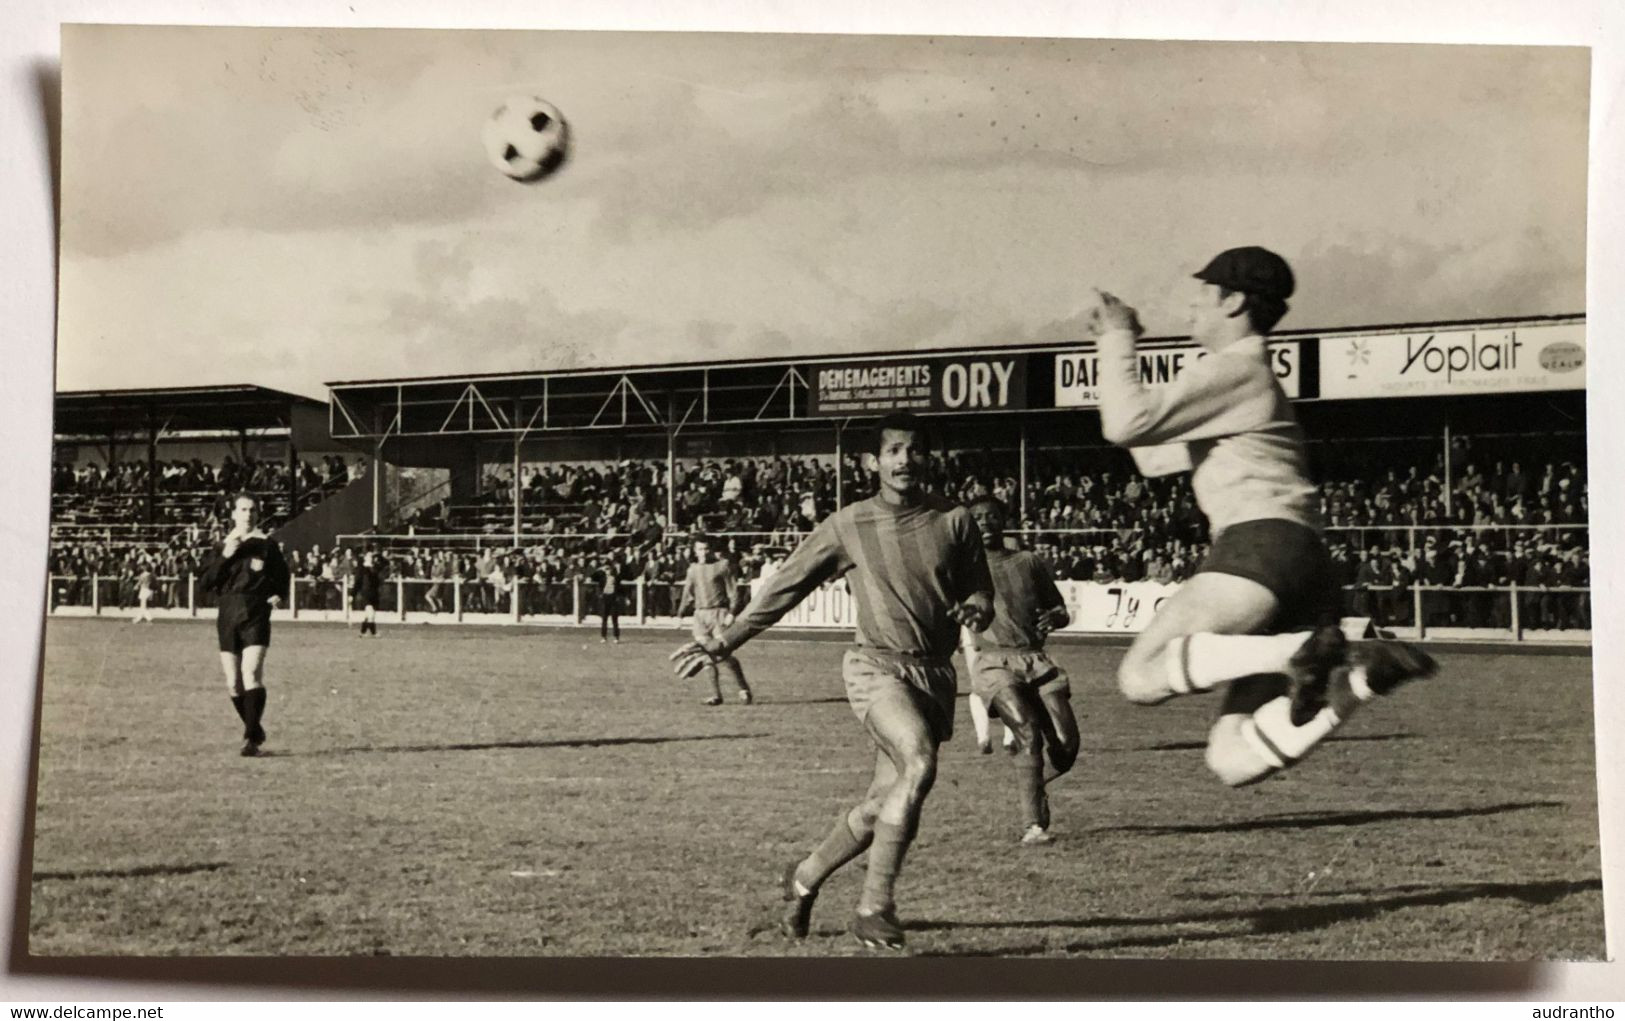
254, 703
841, 844
885, 862
1030, 782
237, 704
716, 686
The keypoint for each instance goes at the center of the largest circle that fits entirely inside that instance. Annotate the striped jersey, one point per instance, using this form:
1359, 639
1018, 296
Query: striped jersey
1022, 588
709, 586
1246, 449
906, 566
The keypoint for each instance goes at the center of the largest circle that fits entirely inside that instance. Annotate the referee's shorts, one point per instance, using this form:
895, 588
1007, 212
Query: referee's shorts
242, 623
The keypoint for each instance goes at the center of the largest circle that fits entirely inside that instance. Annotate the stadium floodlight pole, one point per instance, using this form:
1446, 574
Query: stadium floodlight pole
840, 470
1021, 499
1447, 479
671, 460
152, 469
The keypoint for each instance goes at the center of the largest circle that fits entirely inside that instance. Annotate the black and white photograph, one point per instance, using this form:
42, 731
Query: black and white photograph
617, 494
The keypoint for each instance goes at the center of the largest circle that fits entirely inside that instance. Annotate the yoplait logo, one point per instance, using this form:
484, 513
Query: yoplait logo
1478, 353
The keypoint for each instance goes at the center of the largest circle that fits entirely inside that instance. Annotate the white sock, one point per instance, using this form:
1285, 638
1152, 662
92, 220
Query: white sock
978, 717
1270, 732
1359, 685
1203, 661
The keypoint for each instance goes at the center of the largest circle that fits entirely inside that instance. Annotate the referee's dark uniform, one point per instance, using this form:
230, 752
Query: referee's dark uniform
367, 583
245, 583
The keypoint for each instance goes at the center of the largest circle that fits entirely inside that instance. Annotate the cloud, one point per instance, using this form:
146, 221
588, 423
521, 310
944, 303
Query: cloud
439, 328
1504, 274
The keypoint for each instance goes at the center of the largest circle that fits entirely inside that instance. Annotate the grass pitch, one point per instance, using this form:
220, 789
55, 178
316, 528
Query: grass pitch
496, 792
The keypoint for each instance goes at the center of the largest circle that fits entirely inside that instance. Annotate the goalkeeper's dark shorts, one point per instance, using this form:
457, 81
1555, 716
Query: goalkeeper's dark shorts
1287, 558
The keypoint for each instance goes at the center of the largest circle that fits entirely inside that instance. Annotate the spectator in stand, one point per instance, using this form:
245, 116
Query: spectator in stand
439, 573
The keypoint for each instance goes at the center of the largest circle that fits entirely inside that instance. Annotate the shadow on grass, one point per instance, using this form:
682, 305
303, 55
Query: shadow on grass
1313, 820
1261, 921
1196, 746
135, 872
484, 746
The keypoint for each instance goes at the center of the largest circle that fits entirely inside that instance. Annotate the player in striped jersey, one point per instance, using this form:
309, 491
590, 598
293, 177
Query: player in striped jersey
918, 574
1260, 616
710, 590
1014, 676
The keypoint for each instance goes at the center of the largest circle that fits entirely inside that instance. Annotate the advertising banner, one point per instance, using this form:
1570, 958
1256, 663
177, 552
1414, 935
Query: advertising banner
880, 386
1077, 373
1119, 608
1541, 356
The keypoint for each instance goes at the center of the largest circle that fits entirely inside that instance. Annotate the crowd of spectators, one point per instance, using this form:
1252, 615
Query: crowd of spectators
108, 501
198, 476
1088, 513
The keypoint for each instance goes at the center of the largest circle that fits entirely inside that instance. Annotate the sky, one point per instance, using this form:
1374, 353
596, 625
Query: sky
294, 207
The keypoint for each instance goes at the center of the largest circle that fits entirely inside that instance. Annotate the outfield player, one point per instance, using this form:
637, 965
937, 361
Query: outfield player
1013, 675
710, 590
1260, 615
146, 587
917, 574
250, 577
367, 585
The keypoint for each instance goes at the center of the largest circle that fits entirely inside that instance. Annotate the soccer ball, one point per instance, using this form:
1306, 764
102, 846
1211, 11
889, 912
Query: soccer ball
527, 138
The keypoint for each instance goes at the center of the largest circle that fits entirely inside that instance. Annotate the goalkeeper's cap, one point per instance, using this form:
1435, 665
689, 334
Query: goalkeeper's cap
1251, 270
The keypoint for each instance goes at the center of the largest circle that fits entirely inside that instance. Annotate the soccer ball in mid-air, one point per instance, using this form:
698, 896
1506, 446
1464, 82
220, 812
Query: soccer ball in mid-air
527, 138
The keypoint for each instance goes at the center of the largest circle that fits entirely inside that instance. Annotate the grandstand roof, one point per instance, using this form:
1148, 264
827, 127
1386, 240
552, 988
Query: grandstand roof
784, 390
176, 409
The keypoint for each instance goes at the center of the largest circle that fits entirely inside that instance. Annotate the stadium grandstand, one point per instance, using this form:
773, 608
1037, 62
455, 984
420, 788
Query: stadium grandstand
1451, 458
143, 478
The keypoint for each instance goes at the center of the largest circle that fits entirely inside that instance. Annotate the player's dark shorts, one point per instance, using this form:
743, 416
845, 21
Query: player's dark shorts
993, 670
241, 624
1287, 558
872, 674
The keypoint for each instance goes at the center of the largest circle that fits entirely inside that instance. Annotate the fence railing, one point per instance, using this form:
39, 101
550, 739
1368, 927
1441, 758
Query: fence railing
452, 599
1419, 608
1514, 608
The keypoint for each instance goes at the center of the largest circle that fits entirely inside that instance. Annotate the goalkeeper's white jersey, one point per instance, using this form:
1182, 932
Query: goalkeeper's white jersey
1246, 448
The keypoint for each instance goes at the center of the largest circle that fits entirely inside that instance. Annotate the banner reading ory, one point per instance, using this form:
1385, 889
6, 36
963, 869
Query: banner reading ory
1077, 373
880, 386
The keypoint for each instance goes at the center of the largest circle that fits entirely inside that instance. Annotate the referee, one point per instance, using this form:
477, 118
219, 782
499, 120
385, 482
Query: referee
250, 578
367, 583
